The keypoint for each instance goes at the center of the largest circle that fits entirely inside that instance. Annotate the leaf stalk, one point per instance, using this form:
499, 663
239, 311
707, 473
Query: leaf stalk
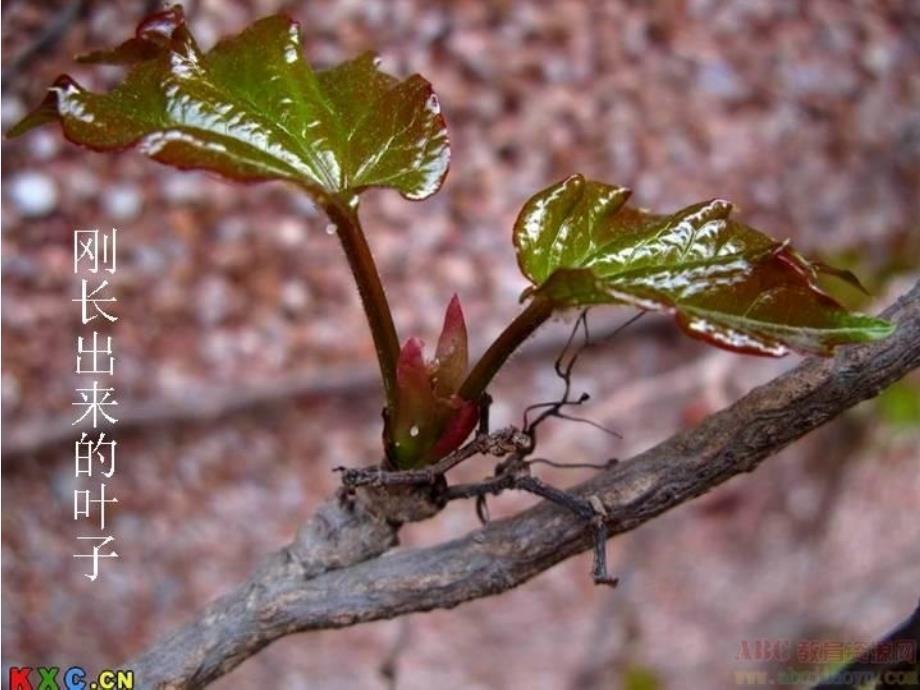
344, 216
534, 315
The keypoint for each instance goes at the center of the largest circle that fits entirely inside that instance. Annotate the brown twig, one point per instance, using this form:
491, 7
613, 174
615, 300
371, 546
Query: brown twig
330, 577
497, 444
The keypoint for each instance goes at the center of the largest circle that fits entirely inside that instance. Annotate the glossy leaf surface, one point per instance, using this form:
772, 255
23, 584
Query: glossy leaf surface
252, 108
580, 244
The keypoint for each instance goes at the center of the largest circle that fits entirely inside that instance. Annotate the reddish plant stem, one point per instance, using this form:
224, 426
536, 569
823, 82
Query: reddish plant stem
536, 313
345, 219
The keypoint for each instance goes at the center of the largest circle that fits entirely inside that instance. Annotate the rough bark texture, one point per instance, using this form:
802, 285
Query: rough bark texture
335, 574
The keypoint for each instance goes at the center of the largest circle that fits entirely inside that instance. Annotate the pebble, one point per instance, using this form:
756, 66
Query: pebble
12, 110
291, 232
149, 259
719, 78
182, 188
214, 300
44, 144
294, 296
122, 202
34, 194
12, 391
232, 228
82, 183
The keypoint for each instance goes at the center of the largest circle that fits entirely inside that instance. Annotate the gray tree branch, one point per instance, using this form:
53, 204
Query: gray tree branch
335, 574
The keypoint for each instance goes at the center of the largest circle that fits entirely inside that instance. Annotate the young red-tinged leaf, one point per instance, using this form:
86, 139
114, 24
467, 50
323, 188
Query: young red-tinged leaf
253, 109
413, 426
451, 356
727, 283
781, 311
462, 421
430, 419
411, 372
151, 37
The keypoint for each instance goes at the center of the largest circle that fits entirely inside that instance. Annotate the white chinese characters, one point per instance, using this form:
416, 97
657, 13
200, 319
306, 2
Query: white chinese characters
95, 404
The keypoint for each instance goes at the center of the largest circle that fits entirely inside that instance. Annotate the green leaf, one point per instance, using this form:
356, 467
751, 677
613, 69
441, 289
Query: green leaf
580, 244
253, 109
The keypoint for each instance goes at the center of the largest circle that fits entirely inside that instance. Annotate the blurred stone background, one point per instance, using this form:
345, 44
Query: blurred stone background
245, 372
